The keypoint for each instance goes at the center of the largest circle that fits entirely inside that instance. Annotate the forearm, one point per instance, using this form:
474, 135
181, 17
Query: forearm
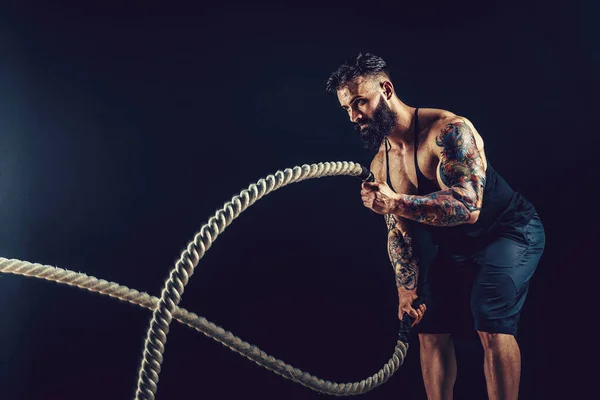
444, 208
404, 261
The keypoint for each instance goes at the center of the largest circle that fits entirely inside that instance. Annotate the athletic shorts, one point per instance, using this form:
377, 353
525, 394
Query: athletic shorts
485, 289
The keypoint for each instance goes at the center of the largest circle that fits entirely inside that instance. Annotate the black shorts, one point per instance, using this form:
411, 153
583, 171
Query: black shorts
485, 289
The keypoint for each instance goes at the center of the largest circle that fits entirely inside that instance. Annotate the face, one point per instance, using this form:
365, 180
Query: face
367, 108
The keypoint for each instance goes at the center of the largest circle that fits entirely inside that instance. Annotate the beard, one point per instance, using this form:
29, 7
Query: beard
383, 121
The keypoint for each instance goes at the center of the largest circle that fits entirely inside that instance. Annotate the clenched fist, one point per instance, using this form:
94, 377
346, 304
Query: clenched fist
406, 298
379, 197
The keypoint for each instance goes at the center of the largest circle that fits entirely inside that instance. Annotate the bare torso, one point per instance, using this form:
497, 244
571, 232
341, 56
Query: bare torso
403, 173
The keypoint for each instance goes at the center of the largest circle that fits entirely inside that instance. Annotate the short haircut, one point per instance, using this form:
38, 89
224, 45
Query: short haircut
362, 65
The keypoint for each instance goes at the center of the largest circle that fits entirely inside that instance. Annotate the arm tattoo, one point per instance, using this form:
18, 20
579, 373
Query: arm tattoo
462, 170
390, 221
405, 263
438, 209
462, 166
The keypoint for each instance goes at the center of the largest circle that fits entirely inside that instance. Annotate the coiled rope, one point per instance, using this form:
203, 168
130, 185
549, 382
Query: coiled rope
165, 308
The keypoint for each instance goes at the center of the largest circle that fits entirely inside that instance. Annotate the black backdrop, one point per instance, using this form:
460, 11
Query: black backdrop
124, 127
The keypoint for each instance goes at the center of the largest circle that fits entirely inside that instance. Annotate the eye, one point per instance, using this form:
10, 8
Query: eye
361, 102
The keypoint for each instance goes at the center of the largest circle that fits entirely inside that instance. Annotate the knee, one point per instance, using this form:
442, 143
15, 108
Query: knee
429, 341
494, 341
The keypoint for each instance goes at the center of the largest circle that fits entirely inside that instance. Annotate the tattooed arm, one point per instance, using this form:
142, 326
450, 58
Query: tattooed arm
406, 266
461, 170
405, 263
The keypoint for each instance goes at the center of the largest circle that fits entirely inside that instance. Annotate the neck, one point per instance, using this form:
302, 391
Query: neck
403, 133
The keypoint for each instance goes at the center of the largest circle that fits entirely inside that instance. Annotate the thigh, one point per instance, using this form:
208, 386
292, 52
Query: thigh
505, 269
446, 291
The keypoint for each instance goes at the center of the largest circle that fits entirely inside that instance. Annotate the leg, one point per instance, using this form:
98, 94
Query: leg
498, 295
438, 365
502, 365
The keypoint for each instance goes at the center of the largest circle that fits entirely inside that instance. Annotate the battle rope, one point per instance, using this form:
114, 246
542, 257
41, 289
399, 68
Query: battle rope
165, 308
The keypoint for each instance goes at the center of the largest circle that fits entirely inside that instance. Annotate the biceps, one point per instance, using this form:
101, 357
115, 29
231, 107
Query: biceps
460, 164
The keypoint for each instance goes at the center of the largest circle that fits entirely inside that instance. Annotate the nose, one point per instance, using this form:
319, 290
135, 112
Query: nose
355, 116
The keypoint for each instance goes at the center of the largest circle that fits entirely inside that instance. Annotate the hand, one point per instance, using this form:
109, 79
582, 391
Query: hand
379, 197
406, 298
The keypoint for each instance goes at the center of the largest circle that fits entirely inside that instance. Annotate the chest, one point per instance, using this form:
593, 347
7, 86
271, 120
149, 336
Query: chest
403, 168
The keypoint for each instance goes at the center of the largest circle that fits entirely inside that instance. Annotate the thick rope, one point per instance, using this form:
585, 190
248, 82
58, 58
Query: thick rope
165, 308
208, 328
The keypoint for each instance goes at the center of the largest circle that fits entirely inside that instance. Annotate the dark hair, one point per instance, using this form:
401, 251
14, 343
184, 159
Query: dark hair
362, 65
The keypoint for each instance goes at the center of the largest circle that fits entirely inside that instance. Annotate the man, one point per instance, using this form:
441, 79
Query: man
431, 171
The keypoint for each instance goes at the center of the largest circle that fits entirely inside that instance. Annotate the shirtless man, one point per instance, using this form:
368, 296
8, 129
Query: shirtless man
431, 172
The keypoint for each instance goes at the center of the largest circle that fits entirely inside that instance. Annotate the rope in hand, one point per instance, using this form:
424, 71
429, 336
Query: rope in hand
165, 308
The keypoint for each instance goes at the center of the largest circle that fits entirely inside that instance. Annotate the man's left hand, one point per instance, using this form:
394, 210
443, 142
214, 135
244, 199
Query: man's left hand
379, 197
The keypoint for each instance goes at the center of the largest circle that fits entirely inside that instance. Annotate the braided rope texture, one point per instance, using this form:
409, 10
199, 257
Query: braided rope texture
165, 308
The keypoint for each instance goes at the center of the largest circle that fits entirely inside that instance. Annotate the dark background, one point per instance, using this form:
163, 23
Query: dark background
124, 127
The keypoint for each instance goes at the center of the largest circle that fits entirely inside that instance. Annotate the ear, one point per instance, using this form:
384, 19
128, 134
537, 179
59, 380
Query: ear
388, 89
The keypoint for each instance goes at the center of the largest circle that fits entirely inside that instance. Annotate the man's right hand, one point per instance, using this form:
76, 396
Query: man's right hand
406, 298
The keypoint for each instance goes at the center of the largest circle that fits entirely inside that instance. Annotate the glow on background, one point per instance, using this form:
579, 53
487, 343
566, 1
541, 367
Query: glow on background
16, 177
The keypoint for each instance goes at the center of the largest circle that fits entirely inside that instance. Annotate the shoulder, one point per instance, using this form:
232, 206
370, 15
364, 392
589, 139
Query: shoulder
434, 120
442, 124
